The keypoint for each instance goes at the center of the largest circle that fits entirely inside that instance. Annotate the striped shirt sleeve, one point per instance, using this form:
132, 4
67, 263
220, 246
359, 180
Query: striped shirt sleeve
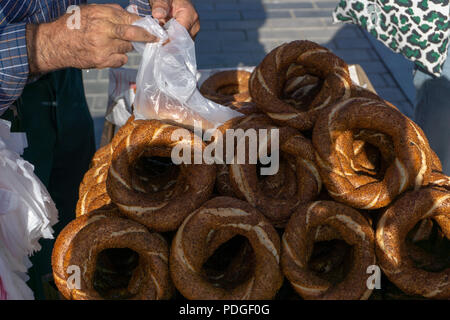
143, 7
13, 63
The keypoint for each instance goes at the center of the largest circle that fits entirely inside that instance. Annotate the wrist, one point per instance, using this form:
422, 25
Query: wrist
45, 47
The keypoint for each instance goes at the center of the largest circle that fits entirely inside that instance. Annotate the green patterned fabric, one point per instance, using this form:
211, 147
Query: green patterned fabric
418, 29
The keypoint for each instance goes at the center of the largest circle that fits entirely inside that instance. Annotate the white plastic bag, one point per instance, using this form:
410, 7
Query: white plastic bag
166, 80
27, 213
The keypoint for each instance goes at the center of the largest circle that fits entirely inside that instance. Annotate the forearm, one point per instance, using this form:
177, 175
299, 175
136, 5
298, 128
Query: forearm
45, 47
101, 40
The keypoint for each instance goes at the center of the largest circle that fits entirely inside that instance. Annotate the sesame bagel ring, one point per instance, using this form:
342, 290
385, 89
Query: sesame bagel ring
95, 175
92, 191
268, 79
93, 198
102, 155
62, 244
305, 227
80, 243
297, 180
243, 107
366, 143
333, 141
216, 222
165, 209
393, 227
227, 86
253, 119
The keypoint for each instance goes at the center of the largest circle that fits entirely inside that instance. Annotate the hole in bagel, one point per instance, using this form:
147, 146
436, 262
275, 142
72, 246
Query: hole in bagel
373, 153
154, 166
231, 264
154, 173
113, 272
330, 260
369, 160
231, 89
428, 247
301, 87
281, 185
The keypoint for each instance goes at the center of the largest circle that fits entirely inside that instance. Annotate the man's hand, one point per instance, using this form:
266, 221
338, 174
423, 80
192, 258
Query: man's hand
102, 41
182, 10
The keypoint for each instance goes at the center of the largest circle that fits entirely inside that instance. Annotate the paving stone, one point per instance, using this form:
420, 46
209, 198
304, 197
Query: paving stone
241, 46
352, 55
312, 13
389, 79
391, 94
101, 102
288, 5
208, 25
330, 45
302, 33
273, 1
326, 4
271, 23
91, 74
241, 24
226, 60
373, 66
205, 6
377, 80
336, 32
96, 87
240, 6
219, 15
261, 14
214, 1
352, 43
90, 101
103, 74
223, 35
208, 46
254, 5
99, 105
285, 34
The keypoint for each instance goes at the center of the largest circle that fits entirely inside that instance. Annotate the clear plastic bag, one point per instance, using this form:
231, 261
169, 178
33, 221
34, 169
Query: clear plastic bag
167, 83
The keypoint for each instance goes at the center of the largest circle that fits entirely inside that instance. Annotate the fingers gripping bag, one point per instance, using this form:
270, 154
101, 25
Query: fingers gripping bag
166, 83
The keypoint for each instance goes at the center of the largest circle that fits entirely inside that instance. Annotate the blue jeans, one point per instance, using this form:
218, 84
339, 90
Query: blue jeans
432, 111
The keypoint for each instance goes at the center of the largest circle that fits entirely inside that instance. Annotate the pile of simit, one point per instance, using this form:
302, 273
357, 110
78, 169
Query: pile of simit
357, 187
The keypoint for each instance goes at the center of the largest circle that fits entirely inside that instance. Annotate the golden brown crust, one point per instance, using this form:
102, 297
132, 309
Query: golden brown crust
102, 155
297, 180
333, 141
163, 210
94, 198
268, 79
92, 190
392, 229
243, 107
216, 222
223, 183
85, 237
305, 227
227, 86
